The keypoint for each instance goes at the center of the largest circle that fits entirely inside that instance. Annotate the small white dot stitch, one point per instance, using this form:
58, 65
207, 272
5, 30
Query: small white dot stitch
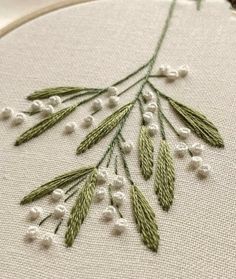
70, 127
184, 132
183, 70
36, 106
35, 212
152, 107
32, 232
197, 148
47, 110
118, 198
181, 149
18, 119
100, 193
47, 240
147, 96
102, 176
127, 147
59, 211
163, 70
204, 170
172, 75
195, 162
112, 91
113, 101
153, 129
109, 213
121, 225
55, 101
88, 121
57, 194
147, 117
97, 104
6, 113
118, 182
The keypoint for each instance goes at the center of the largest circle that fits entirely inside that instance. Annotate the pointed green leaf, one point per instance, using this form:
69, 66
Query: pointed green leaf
58, 182
80, 209
198, 123
105, 127
165, 177
145, 153
145, 219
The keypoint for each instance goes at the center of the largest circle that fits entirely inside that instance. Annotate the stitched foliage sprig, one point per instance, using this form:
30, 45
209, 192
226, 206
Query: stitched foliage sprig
150, 107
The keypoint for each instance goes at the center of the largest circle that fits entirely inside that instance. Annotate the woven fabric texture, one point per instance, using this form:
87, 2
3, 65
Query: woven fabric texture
95, 44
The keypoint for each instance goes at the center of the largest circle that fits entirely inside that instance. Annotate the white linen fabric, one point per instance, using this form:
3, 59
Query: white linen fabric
95, 44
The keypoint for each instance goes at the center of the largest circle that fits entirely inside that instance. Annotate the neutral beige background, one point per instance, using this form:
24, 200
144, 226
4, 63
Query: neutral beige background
95, 44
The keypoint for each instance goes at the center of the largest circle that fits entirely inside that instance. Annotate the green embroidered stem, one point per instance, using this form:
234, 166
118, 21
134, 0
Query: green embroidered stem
145, 219
80, 209
58, 182
146, 150
58, 226
45, 219
165, 176
112, 202
104, 128
199, 3
82, 94
198, 123
170, 125
44, 125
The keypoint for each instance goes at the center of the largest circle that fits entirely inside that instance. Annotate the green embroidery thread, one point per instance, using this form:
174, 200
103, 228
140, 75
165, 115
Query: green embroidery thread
146, 150
164, 175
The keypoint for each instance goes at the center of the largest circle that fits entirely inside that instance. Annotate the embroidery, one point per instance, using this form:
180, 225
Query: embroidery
149, 100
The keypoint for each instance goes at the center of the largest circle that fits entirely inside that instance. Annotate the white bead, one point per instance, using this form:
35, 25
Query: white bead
148, 96
127, 147
184, 132
153, 129
147, 117
36, 105
100, 193
48, 110
112, 91
47, 240
57, 194
163, 70
113, 101
55, 101
118, 198
70, 127
109, 213
6, 112
118, 182
102, 176
204, 170
32, 232
19, 118
88, 121
35, 212
195, 162
172, 75
152, 107
181, 149
183, 70
97, 104
121, 225
197, 148
59, 211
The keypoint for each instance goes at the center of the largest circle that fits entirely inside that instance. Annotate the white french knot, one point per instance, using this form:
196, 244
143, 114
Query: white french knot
47, 240
127, 146
19, 118
88, 121
47, 110
55, 101
6, 113
121, 225
70, 127
109, 213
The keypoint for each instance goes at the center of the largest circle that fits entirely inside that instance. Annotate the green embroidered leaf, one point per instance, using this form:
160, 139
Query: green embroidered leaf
145, 153
80, 210
59, 91
105, 127
44, 125
145, 219
165, 177
198, 123
58, 182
